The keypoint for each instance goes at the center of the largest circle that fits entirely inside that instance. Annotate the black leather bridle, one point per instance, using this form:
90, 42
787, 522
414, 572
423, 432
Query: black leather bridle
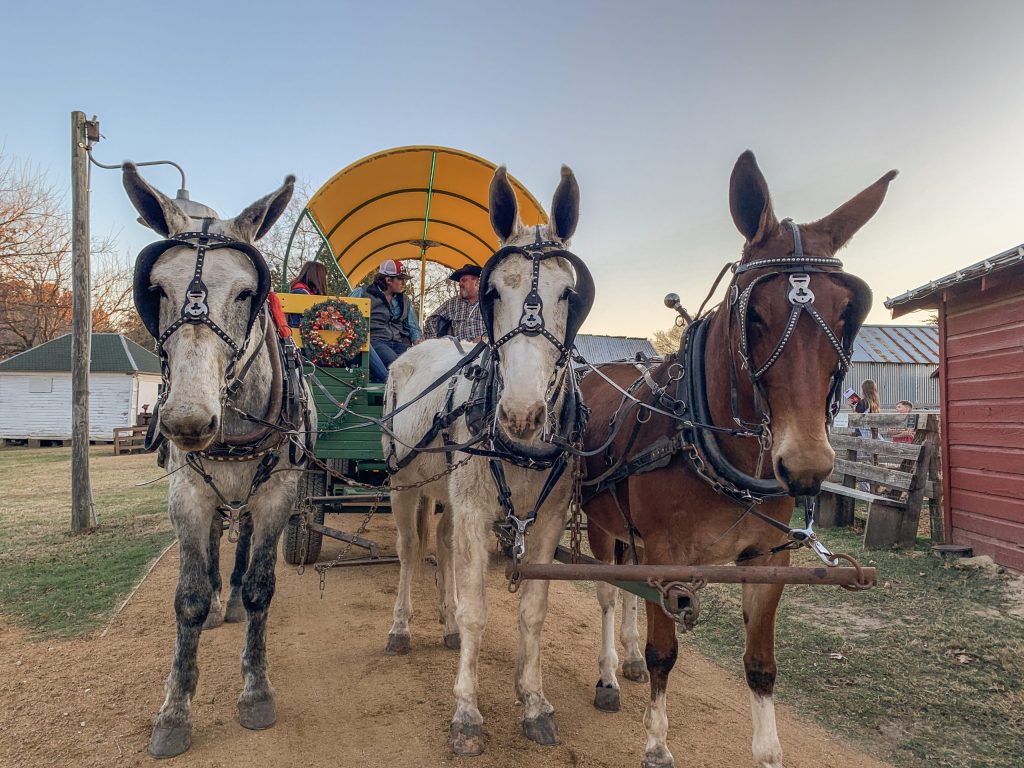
799, 268
481, 410
531, 321
287, 405
195, 310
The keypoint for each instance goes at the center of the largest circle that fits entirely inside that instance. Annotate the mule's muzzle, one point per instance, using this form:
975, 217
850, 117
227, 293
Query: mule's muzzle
521, 422
802, 483
190, 433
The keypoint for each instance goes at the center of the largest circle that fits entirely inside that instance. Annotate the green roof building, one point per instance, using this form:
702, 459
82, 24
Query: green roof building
35, 388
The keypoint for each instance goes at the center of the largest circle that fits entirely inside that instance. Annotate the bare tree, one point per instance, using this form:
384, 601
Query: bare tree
35, 264
667, 342
438, 288
306, 243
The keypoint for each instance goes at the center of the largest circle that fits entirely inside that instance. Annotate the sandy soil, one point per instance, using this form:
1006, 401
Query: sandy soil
342, 702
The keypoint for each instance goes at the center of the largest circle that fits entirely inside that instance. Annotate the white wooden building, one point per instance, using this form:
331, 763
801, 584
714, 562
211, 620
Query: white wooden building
35, 388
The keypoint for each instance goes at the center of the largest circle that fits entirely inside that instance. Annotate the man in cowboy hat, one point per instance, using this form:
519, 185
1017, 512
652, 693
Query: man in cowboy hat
394, 326
460, 315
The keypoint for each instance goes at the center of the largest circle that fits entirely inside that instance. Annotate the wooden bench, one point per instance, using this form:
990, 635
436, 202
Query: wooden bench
129, 439
900, 476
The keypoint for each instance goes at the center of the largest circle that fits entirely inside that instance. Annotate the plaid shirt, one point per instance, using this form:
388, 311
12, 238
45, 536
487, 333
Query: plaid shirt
456, 317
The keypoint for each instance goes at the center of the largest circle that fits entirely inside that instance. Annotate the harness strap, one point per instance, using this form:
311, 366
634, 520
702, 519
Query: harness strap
467, 358
627, 520
657, 456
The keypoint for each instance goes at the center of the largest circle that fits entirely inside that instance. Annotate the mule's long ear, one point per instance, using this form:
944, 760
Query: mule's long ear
845, 220
159, 212
749, 201
256, 220
565, 206
501, 199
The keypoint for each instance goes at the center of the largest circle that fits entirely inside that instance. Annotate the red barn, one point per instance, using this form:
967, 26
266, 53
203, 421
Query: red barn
981, 391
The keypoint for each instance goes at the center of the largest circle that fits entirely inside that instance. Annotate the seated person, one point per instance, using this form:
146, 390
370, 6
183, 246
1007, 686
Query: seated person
312, 280
460, 315
394, 326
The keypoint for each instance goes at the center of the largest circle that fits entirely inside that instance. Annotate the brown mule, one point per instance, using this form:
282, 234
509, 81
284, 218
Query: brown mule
760, 377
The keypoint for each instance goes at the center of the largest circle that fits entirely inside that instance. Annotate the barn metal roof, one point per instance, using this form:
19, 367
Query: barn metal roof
917, 297
110, 353
915, 344
603, 349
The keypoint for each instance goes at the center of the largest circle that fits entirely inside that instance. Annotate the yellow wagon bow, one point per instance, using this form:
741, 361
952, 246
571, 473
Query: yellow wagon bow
402, 202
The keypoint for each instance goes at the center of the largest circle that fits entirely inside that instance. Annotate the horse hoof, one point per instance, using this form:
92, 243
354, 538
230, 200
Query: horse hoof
453, 641
466, 739
168, 741
542, 730
606, 698
257, 715
235, 613
636, 671
657, 758
398, 645
213, 620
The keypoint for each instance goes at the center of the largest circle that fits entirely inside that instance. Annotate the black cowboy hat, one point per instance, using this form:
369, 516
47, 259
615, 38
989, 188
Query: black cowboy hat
469, 269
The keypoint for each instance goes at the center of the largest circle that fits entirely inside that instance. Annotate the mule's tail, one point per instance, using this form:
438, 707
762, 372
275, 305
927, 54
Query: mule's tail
424, 511
390, 403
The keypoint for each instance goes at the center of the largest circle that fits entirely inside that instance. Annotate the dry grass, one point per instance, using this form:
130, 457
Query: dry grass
927, 668
59, 583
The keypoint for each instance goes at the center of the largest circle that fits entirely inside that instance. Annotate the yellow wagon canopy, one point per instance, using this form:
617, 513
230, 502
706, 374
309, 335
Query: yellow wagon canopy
412, 203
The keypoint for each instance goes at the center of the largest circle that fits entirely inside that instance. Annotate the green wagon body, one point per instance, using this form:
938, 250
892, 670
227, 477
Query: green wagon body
345, 435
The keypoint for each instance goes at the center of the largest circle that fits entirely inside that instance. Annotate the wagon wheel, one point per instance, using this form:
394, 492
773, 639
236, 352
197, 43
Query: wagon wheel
313, 483
338, 467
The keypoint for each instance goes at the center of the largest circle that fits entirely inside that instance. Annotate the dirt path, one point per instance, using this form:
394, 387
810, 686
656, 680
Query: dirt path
342, 702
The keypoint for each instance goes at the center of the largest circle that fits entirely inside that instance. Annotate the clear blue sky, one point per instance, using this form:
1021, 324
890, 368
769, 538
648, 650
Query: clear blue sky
649, 102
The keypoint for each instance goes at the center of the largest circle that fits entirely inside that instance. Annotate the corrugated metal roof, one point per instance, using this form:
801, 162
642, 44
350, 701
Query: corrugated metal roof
111, 353
917, 344
982, 268
603, 349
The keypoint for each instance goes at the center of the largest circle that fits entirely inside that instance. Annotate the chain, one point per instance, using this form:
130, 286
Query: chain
576, 511
323, 568
679, 600
380, 490
307, 510
765, 440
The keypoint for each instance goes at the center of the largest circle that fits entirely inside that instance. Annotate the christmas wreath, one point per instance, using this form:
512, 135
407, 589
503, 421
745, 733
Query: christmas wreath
333, 315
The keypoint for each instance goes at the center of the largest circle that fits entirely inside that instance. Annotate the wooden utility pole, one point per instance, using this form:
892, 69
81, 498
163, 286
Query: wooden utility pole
82, 510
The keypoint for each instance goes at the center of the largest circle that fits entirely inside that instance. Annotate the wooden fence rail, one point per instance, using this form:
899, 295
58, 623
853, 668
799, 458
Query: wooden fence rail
891, 478
129, 440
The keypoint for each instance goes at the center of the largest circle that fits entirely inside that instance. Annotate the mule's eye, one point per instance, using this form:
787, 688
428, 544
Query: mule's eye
568, 293
159, 290
753, 318
244, 295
